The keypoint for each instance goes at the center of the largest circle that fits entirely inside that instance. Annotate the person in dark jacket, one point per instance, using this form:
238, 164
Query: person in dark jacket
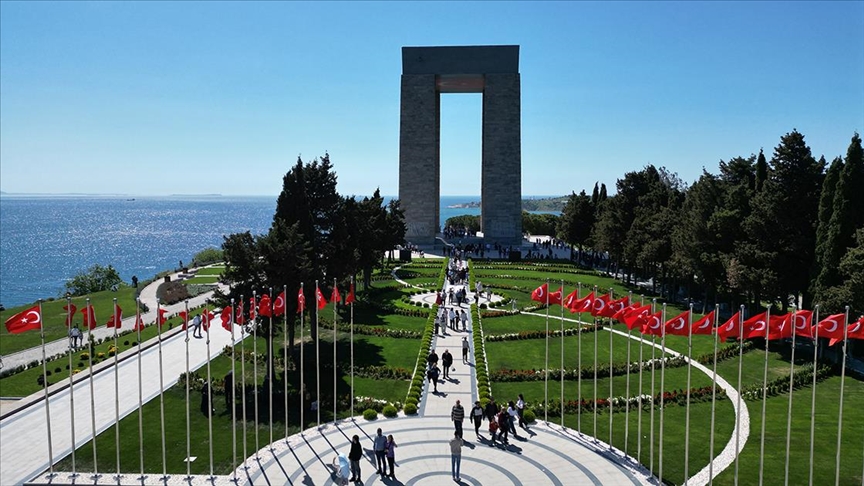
491, 410
477, 417
354, 456
446, 362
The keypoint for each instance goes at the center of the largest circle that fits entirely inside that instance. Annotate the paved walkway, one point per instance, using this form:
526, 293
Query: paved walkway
23, 435
147, 297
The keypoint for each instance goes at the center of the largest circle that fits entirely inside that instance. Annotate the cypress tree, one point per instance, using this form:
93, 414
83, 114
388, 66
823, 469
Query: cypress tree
825, 276
595, 196
761, 171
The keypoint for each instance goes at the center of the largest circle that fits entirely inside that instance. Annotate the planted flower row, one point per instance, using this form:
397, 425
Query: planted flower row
622, 403
521, 335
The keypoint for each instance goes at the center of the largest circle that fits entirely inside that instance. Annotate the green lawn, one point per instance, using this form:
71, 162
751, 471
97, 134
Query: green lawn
54, 318
210, 271
202, 279
531, 353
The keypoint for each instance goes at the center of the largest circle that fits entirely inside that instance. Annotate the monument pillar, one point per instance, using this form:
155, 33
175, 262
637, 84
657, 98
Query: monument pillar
426, 73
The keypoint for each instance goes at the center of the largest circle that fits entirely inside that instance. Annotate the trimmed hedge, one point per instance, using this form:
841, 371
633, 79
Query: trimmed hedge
370, 414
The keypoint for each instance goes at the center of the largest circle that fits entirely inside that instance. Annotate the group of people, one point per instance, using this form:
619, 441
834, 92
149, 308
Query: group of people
76, 337
433, 372
451, 318
502, 420
385, 454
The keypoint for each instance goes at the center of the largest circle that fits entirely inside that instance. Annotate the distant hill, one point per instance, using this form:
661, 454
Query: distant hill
541, 204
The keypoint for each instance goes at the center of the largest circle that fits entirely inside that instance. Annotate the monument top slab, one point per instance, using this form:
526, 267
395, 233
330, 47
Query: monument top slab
460, 60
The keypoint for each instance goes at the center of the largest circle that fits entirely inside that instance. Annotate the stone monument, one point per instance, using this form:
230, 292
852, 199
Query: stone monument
426, 73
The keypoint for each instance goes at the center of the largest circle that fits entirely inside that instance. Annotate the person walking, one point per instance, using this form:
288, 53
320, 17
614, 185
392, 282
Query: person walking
74, 336
512, 417
432, 374
206, 403
457, 415
464, 321
520, 409
354, 456
465, 349
437, 324
503, 425
432, 359
452, 315
196, 326
477, 417
391, 455
491, 410
379, 446
446, 362
456, 455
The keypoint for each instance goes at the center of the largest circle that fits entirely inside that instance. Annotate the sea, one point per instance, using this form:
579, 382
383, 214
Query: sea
46, 240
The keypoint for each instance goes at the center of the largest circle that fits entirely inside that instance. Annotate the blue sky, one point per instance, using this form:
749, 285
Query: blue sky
196, 97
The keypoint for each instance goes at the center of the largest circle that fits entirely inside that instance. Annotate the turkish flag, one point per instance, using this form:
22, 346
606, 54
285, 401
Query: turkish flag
116, 319
206, 317
803, 323
756, 326
599, 305
539, 294
239, 319
335, 297
161, 319
678, 325
730, 328
704, 325
226, 317
319, 299
555, 297
616, 306
349, 299
89, 317
634, 318
251, 308
653, 324
779, 327
184, 316
830, 327
301, 301
853, 331
584, 304
619, 315
139, 323
571, 297
264, 309
70, 313
279, 304
28, 320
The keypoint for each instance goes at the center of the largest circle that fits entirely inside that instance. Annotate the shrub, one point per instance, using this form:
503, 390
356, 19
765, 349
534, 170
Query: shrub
125, 343
411, 399
59, 369
528, 416
390, 411
410, 409
84, 356
370, 414
48, 373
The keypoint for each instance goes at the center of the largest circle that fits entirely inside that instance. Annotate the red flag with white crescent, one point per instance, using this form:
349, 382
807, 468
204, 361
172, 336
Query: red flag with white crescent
116, 319
184, 316
831, 327
704, 325
226, 317
349, 299
653, 324
301, 301
335, 297
319, 299
89, 317
539, 294
677, 326
264, 309
279, 304
28, 320
251, 308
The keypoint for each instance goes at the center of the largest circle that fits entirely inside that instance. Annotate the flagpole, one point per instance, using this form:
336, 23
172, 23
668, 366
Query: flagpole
738, 408
239, 313
562, 352
764, 398
653, 366
138, 325
285, 355
270, 365
611, 334
161, 396
255, 367
641, 365
842, 384
815, 323
209, 397
713, 396
188, 414
789, 410
627, 394
579, 365
662, 388
352, 347
233, 396
117, 319
302, 363
47, 404
90, 318
69, 315
546, 366
334, 350
687, 412
317, 341
594, 405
